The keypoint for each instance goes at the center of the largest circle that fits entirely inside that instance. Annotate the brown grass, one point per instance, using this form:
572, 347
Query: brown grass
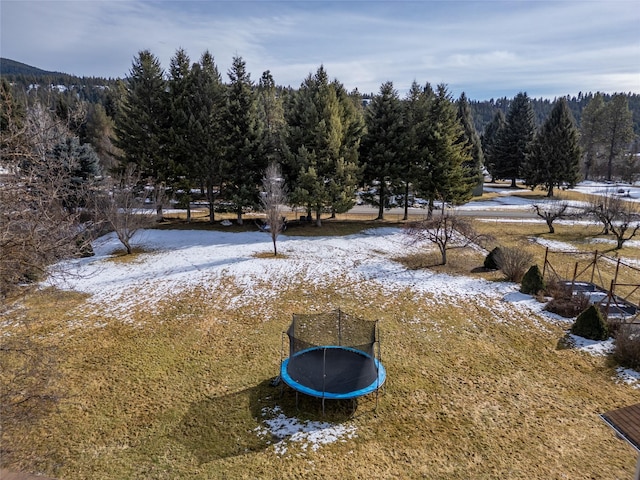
475, 389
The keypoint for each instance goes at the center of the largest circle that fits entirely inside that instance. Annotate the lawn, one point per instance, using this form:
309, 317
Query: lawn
163, 368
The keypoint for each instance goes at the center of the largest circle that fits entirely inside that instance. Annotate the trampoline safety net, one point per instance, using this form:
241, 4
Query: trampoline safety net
335, 328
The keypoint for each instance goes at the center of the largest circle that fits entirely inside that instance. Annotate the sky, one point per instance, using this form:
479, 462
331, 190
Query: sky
487, 49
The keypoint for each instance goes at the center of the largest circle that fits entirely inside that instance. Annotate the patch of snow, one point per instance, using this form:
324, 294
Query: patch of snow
554, 245
594, 347
308, 434
628, 376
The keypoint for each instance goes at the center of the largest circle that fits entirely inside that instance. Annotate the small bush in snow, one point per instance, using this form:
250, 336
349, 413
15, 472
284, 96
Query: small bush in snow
627, 346
591, 325
513, 262
490, 260
532, 282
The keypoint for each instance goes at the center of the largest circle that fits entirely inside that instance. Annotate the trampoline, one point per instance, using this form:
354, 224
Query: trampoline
333, 356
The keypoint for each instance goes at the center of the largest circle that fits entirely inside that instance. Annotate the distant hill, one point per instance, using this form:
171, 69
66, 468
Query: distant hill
11, 67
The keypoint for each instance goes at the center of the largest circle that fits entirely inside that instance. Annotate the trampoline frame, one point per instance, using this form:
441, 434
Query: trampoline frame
298, 387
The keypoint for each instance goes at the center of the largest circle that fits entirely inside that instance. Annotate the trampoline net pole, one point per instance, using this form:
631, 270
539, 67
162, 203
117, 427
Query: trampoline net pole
281, 360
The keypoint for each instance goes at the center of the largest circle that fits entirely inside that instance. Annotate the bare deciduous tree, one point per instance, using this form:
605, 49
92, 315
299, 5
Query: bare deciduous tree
550, 212
125, 205
618, 216
447, 231
274, 197
37, 228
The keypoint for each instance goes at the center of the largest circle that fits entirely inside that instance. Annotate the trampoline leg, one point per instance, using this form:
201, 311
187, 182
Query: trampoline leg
323, 406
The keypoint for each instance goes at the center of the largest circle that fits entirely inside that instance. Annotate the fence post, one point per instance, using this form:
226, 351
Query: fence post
544, 267
593, 268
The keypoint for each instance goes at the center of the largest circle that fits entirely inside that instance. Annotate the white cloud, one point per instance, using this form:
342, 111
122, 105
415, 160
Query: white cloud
484, 48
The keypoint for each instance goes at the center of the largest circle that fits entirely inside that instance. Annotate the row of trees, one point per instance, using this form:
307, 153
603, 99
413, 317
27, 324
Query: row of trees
553, 154
188, 129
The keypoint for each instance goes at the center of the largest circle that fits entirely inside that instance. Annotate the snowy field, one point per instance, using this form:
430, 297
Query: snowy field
178, 260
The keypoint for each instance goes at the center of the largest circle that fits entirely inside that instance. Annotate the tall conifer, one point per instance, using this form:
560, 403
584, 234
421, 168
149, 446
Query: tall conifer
245, 162
382, 144
554, 157
471, 137
515, 139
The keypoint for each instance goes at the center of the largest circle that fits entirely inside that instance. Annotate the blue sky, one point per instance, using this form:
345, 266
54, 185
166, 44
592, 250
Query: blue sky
488, 49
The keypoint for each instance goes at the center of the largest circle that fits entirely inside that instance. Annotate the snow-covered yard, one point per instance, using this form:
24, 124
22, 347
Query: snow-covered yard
178, 260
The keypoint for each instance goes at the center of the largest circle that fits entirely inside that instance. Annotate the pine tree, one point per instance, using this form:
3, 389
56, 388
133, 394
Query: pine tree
554, 157
245, 162
474, 167
416, 112
591, 134
180, 145
77, 162
617, 130
515, 140
141, 124
381, 147
492, 132
325, 130
270, 107
206, 127
441, 155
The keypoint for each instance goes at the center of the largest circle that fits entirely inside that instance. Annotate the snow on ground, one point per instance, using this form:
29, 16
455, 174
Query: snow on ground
308, 434
177, 260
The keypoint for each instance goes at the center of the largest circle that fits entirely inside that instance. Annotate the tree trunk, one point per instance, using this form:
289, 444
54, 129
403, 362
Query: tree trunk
239, 216
550, 225
513, 182
381, 197
212, 215
406, 201
188, 211
159, 215
318, 219
275, 249
443, 252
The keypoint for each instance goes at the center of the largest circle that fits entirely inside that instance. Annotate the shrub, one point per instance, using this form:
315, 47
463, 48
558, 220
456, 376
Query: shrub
532, 282
564, 302
513, 262
626, 351
490, 260
591, 325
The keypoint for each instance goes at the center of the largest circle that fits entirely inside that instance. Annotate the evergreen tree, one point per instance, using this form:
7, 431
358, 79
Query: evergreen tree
325, 130
617, 130
382, 144
441, 155
180, 146
245, 162
492, 132
271, 115
416, 111
141, 124
76, 162
347, 170
513, 144
554, 157
474, 167
206, 132
591, 133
